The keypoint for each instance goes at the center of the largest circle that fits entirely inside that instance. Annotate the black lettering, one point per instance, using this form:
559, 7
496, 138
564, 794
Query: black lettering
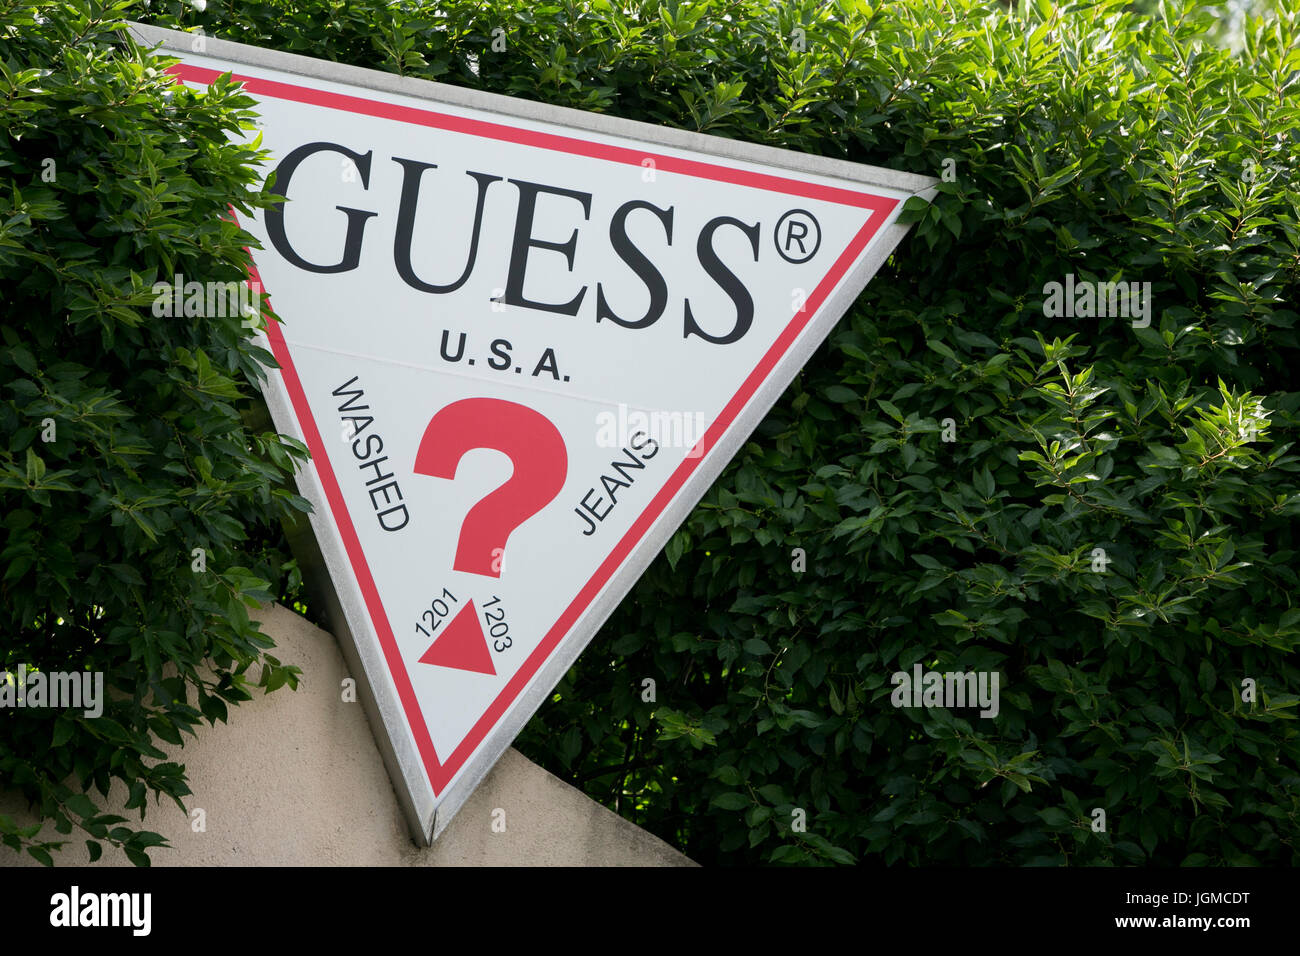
501, 349
372, 438
412, 173
632, 462
591, 524
379, 476
642, 266
357, 429
791, 237
726, 279
353, 396
356, 217
547, 364
610, 484
592, 506
648, 441
460, 349
524, 241
388, 500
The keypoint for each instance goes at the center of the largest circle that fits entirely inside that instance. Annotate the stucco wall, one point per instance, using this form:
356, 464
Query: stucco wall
295, 778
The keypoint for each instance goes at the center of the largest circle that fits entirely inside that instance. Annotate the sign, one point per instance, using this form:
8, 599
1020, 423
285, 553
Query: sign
520, 343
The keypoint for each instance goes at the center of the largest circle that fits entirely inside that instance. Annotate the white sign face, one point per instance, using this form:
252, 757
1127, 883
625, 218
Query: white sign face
520, 342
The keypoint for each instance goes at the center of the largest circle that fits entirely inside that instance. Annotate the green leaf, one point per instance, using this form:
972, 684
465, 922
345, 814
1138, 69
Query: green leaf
1206, 676
81, 805
35, 467
731, 801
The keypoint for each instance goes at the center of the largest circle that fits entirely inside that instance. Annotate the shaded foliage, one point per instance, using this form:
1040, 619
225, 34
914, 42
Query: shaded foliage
124, 446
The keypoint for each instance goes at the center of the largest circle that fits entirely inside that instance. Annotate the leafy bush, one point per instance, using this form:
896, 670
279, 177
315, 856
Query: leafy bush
1077, 140
124, 448
1087, 142
1084, 140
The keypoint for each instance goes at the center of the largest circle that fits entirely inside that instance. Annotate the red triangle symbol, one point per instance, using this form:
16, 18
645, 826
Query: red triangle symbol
462, 645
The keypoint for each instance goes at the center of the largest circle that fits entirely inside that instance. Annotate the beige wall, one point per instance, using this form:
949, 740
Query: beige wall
295, 778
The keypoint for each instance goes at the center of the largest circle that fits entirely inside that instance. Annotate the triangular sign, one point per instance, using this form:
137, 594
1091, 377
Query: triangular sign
520, 343
461, 645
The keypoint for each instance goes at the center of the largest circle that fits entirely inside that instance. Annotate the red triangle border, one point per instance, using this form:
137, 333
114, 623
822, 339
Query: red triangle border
442, 772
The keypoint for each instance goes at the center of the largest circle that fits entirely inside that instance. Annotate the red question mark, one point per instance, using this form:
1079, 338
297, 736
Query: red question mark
535, 448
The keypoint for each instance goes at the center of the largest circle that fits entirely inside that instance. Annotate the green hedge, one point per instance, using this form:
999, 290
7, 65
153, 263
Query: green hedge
123, 446
1102, 514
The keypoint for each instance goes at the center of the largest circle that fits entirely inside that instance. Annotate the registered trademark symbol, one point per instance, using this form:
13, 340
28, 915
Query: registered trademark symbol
797, 230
